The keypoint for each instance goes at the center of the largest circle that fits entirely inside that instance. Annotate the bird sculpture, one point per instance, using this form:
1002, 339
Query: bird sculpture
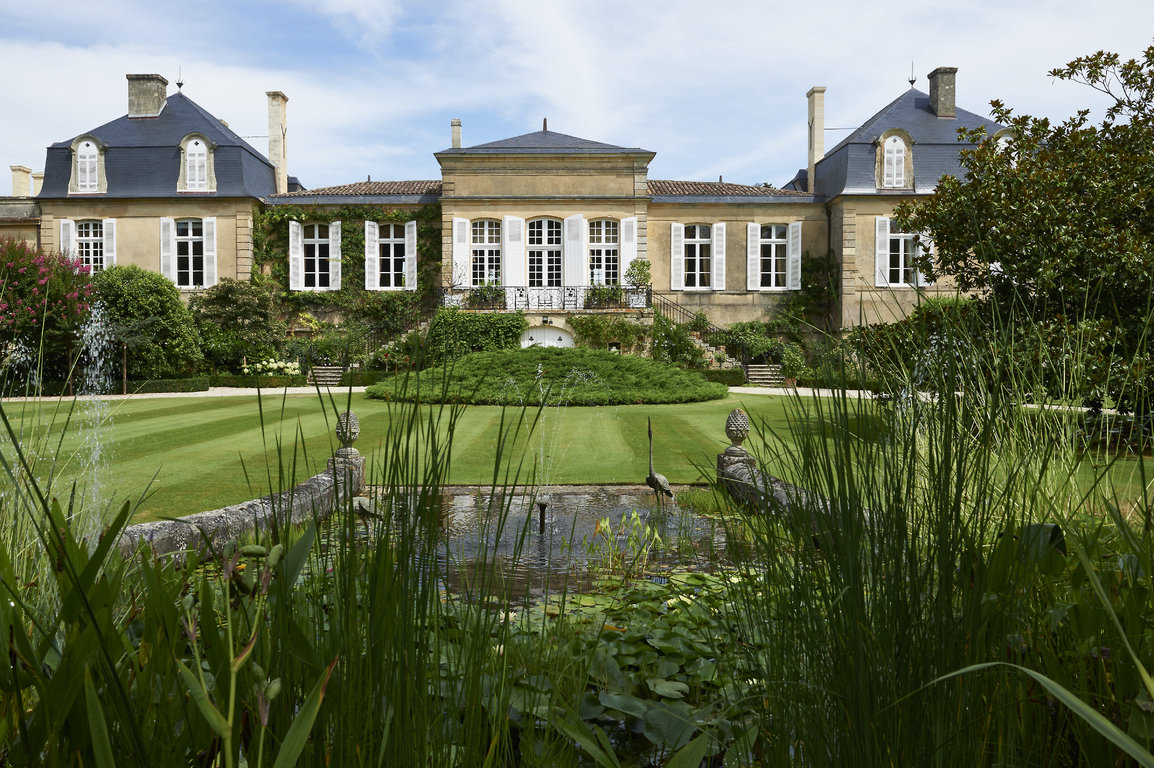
655, 481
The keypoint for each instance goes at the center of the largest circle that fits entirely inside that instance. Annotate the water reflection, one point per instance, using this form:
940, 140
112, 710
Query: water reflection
572, 547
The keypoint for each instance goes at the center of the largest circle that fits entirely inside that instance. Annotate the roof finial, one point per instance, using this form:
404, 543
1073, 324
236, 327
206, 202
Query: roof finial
544, 123
912, 78
179, 79
719, 179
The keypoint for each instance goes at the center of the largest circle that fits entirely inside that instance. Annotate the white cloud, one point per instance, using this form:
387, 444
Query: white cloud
713, 89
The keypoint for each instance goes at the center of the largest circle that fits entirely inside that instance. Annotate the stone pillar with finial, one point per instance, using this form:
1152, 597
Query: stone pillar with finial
347, 464
736, 467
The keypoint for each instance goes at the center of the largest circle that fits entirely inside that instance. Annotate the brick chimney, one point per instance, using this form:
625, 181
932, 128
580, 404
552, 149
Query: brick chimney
942, 98
277, 146
456, 124
146, 95
816, 98
21, 181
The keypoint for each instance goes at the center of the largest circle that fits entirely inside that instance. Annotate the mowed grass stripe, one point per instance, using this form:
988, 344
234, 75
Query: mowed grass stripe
198, 444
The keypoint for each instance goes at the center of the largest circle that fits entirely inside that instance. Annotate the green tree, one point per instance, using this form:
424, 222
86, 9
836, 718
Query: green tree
237, 319
148, 303
1053, 224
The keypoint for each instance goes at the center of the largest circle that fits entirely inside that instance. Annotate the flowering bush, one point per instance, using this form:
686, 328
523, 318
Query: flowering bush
272, 367
40, 293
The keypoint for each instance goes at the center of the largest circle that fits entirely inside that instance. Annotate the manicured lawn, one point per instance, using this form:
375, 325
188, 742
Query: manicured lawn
194, 454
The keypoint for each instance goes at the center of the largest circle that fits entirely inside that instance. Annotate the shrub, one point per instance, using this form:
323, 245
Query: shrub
237, 319
637, 274
555, 376
730, 377
453, 333
672, 344
597, 331
145, 312
43, 299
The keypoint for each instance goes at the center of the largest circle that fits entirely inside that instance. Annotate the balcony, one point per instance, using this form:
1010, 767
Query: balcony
556, 299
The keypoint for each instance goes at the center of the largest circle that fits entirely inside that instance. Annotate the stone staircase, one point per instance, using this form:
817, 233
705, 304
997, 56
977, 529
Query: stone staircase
713, 353
765, 376
325, 375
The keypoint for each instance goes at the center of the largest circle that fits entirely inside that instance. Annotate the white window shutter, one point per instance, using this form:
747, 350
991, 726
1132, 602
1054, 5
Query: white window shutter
410, 255
575, 271
335, 256
882, 252
372, 256
677, 257
109, 227
718, 278
628, 250
67, 237
168, 248
752, 257
793, 256
513, 241
462, 257
296, 257
925, 246
209, 251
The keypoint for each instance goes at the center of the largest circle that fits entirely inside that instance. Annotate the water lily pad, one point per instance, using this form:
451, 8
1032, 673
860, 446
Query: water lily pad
670, 689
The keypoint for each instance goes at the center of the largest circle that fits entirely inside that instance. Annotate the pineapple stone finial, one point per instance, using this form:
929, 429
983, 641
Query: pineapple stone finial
737, 427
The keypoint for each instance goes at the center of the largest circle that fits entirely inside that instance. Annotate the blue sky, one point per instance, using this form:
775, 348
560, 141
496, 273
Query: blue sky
714, 88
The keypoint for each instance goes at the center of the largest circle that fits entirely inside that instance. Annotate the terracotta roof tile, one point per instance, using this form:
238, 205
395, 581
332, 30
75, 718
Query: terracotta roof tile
715, 189
427, 187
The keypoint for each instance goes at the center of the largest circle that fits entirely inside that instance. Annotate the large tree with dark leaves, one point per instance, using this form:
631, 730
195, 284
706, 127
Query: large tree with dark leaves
1053, 225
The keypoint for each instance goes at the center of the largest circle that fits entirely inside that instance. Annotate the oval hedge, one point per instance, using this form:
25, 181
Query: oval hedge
557, 376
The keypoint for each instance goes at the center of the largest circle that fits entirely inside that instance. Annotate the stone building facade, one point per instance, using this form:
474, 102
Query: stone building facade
545, 223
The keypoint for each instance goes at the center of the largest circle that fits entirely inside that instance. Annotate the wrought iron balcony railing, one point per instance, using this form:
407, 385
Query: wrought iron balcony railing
561, 298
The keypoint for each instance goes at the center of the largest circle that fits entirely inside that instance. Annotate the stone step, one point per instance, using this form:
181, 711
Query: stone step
326, 375
765, 376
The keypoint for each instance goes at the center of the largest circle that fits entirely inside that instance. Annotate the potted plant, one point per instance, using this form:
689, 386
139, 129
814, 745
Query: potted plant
638, 277
793, 365
487, 296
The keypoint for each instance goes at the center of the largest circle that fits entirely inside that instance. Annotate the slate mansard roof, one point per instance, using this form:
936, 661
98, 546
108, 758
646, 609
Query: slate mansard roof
544, 142
142, 158
849, 168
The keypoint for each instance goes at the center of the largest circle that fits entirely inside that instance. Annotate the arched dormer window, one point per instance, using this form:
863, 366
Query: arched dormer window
87, 167
197, 173
895, 167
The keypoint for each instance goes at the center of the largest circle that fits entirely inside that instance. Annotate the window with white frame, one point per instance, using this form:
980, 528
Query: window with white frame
897, 254
773, 258
90, 244
486, 257
316, 273
545, 253
87, 167
196, 157
698, 255
190, 253
391, 260
604, 253
894, 163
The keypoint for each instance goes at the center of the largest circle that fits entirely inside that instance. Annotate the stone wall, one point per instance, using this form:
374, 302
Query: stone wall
318, 496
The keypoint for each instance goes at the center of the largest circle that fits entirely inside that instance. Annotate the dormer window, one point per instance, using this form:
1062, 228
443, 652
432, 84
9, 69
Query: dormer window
197, 159
197, 173
87, 167
895, 163
86, 163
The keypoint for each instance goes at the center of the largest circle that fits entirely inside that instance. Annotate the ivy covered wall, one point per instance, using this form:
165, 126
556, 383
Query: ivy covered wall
271, 247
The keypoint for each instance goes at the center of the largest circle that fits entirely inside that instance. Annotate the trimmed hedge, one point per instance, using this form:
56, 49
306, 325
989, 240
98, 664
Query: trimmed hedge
196, 384
264, 382
730, 377
557, 376
363, 378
